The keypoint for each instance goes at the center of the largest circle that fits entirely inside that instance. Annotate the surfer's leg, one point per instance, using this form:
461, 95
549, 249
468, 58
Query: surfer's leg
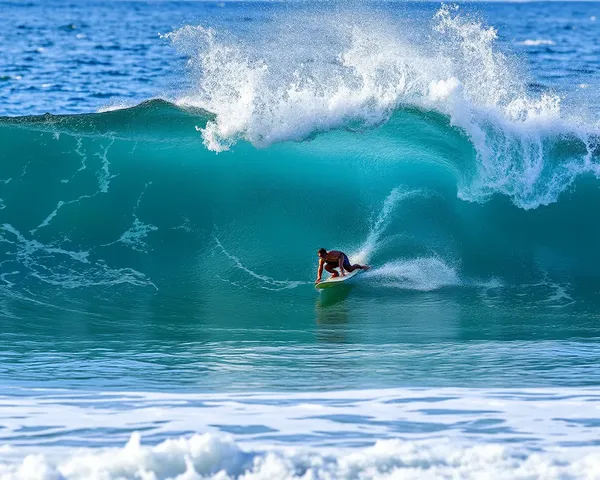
331, 269
356, 266
349, 267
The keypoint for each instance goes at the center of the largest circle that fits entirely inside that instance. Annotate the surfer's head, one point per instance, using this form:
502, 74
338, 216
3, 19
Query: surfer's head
322, 252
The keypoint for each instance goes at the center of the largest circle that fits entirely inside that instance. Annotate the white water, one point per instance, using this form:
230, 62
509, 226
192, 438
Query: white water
536, 42
422, 274
369, 434
210, 457
351, 71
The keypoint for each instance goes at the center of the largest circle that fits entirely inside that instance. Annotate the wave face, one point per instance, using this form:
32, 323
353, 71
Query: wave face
441, 171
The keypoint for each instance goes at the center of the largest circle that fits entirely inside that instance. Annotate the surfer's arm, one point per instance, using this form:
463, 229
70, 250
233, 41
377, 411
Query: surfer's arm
341, 265
320, 271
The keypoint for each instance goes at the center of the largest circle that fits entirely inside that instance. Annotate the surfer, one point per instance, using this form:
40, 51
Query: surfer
335, 259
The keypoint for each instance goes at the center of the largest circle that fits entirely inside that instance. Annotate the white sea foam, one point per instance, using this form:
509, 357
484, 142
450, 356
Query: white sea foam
55, 265
135, 236
113, 107
104, 175
363, 70
536, 42
396, 196
212, 457
463, 433
415, 274
422, 274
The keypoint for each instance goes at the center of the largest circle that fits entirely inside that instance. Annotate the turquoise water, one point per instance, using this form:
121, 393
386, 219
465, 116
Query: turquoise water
142, 245
158, 241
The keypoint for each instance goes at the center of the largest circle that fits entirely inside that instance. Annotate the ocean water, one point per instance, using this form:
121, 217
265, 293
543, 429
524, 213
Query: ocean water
168, 171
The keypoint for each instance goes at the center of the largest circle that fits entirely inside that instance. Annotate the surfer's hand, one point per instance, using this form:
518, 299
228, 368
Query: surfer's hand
318, 280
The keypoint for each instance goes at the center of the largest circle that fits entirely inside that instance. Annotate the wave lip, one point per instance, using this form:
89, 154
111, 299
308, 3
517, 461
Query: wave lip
358, 80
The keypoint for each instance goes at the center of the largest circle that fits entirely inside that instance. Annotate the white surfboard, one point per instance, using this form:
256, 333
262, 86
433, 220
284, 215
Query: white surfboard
332, 282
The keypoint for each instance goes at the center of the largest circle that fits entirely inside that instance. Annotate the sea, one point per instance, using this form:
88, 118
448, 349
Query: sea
168, 171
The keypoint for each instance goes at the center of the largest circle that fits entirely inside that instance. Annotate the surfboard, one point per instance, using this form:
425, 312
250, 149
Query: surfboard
332, 282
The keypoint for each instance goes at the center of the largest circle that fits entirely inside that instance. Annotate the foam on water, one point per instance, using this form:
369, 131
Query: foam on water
415, 274
537, 42
212, 457
381, 221
55, 265
461, 433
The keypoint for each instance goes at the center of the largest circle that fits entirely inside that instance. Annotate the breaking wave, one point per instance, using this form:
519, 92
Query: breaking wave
429, 159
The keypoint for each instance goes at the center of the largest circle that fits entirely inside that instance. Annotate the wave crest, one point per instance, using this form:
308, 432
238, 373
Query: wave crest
353, 73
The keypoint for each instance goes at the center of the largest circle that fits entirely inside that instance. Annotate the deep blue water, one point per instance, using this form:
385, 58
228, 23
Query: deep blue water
67, 57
